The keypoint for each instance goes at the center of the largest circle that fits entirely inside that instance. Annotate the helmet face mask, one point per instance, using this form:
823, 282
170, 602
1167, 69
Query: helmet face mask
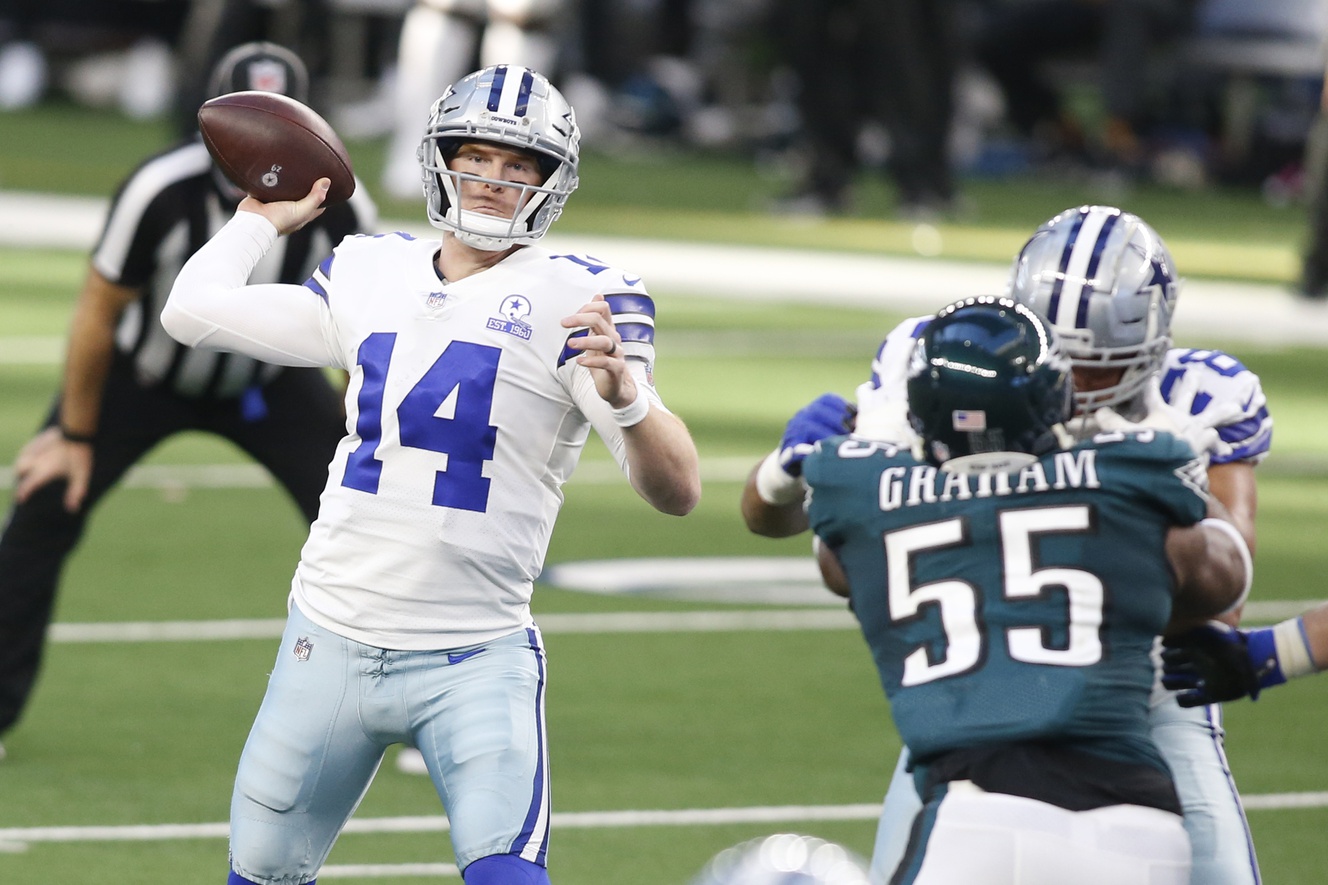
1106, 281
514, 108
989, 386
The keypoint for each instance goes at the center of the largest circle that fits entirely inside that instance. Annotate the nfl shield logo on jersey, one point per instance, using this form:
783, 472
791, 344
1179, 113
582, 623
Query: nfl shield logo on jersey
302, 648
436, 299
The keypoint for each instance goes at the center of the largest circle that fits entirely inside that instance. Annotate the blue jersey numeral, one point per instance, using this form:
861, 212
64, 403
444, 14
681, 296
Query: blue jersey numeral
1223, 364
464, 375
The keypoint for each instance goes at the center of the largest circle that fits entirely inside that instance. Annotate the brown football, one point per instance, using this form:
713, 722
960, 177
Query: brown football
273, 147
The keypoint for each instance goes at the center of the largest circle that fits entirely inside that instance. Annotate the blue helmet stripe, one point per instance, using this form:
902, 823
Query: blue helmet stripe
1086, 294
1053, 306
517, 105
496, 90
523, 94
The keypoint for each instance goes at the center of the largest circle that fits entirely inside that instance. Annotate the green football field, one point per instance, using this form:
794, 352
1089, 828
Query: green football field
678, 726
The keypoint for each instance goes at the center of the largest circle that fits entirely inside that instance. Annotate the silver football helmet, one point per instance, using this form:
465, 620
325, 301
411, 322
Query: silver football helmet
1106, 281
510, 106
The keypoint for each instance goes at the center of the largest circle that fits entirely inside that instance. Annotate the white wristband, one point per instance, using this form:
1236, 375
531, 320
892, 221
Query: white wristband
1245, 557
634, 412
1293, 649
774, 485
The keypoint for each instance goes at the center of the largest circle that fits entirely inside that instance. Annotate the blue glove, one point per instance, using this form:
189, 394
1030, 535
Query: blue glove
827, 415
1216, 663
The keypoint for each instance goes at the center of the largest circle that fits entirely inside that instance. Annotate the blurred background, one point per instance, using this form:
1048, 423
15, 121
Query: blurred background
967, 112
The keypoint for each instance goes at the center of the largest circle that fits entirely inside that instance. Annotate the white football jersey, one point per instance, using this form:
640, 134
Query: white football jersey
1204, 388
466, 413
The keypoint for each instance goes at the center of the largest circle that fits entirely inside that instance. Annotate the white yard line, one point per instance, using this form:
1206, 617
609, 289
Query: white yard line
608, 622
573, 820
792, 619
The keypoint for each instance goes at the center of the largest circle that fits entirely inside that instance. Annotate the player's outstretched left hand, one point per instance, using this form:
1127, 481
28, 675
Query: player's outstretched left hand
602, 352
827, 415
1216, 663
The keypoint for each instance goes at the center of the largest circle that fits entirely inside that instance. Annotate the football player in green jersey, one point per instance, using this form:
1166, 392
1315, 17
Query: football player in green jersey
1011, 634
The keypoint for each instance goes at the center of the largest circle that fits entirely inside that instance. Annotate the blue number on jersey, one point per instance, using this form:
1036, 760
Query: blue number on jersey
1221, 363
467, 370
591, 264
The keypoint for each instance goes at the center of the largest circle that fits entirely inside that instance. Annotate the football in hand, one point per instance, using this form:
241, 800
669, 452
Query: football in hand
273, 147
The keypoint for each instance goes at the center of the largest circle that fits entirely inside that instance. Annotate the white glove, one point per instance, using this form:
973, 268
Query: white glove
1215, 413
1162, 416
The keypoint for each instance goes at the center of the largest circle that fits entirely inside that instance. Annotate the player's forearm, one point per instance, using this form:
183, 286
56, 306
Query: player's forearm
198, 299
89, 352
211, 307
1315, 625
771, 519
1234, 484
663, 462
1213, 571
86, 366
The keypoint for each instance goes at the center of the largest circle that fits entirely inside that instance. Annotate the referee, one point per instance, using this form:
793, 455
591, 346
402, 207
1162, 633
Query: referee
128, 385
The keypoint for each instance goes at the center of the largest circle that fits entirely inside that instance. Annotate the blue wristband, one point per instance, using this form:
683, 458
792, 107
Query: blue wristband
1261, 646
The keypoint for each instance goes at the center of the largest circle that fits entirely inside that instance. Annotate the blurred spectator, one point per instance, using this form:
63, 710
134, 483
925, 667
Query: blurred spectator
1314, 265
108, 53
1122, 36
439, 42
890, 62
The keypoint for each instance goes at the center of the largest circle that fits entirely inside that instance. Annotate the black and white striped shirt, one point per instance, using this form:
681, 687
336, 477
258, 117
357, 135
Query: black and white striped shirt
168, 208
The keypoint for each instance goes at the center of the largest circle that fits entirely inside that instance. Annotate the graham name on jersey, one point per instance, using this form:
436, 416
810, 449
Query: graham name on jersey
923, 484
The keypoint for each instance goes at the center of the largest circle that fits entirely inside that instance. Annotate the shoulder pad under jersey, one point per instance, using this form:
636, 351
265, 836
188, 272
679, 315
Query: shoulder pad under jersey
1214, 389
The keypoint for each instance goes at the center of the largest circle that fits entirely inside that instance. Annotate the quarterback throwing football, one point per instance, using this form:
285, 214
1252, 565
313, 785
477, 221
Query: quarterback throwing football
478, 366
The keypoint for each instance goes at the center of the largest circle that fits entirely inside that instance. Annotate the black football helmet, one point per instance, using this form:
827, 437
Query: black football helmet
988, 378
263, 66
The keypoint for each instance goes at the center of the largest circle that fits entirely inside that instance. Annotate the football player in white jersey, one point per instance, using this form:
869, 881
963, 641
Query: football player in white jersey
478, 366
1108, 284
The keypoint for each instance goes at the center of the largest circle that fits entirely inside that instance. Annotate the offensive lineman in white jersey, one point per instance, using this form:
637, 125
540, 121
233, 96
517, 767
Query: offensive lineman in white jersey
478, 367
1106, 281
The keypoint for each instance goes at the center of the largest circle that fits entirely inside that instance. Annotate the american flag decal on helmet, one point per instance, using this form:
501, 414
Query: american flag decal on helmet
510, 99
971, 420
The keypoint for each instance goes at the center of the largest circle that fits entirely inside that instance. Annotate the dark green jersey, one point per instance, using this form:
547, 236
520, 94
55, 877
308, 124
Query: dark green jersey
1017, 606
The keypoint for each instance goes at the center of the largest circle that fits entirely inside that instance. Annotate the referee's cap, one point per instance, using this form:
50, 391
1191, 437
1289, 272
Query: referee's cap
263, 66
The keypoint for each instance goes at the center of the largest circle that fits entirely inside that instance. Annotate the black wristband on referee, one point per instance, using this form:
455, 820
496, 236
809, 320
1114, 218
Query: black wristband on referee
69, 436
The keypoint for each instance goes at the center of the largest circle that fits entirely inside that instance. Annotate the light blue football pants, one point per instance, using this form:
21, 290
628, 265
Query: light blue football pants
1191, 742
333, 706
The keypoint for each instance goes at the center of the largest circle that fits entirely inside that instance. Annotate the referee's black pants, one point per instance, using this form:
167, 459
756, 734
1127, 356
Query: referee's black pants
295, 440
